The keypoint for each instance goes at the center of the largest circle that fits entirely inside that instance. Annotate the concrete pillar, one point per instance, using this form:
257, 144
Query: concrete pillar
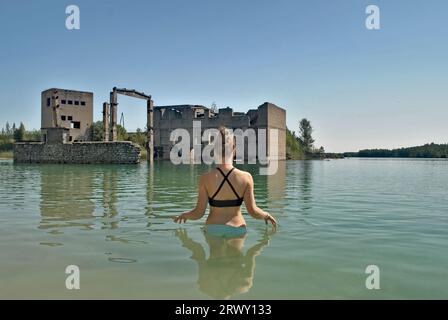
113, 116
150, 126
106, 121
55, 107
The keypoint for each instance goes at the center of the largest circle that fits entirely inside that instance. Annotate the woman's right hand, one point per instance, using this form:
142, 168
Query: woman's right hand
271, 219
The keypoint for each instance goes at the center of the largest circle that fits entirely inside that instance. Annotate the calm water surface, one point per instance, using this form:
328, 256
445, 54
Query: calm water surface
114, 222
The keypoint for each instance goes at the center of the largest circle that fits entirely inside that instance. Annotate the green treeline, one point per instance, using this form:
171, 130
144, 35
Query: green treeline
11, 133
139, 137
301, 147
293, 148
431, 150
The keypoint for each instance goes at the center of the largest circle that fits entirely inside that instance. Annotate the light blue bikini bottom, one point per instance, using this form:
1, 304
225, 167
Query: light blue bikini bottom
225, 231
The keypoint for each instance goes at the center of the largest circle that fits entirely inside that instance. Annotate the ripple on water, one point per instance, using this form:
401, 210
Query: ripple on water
122, 260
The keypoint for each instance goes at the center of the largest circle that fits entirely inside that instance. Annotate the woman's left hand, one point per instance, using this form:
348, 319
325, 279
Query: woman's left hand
272, 220
180, 219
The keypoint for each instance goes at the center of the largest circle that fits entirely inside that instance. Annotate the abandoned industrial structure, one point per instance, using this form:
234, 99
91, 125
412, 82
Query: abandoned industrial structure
74, 112
67, 117
66, 121
167, 118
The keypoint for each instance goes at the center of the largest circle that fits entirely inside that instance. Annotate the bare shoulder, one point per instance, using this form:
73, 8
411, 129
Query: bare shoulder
244, 175
205, 176
208, 176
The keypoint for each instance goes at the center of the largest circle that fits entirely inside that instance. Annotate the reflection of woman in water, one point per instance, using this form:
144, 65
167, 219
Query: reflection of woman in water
225, 189
227, 271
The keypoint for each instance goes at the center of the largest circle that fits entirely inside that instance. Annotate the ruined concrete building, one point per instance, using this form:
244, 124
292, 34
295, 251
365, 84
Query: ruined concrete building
67, 117
167, 118
74, 112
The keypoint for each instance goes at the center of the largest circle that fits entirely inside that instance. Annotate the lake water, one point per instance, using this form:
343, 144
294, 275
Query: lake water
336, 218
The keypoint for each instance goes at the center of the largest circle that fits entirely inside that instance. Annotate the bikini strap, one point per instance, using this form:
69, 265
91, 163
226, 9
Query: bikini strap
223, 181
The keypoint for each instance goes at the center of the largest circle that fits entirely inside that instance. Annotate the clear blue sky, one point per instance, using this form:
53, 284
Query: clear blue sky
360, 88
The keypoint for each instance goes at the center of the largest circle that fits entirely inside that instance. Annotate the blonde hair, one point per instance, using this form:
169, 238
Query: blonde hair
225, 152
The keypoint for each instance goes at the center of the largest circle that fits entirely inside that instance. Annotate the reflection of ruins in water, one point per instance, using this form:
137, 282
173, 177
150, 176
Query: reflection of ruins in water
66, 198
108, 178
305, 178
276, 188
89, 197
227, 271
269, 189
149, 192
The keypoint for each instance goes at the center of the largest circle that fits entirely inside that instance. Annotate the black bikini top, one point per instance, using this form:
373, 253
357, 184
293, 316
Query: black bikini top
225, 203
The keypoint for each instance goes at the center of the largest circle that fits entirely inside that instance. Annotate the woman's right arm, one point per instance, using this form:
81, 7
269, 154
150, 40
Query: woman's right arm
251, 206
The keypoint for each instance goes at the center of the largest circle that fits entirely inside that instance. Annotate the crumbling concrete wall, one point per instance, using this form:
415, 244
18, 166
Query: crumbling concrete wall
267, 116
77, 152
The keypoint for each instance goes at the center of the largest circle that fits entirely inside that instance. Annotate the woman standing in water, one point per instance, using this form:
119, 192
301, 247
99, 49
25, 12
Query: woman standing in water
225, 188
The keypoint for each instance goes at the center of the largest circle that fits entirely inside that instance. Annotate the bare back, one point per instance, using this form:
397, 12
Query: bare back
225, 189
237, 179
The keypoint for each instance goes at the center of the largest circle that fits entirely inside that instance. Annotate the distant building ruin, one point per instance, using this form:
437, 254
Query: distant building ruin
167, 118
74, 112
67, 118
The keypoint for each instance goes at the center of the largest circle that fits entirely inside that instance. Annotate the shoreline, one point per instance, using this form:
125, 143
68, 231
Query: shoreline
6, 155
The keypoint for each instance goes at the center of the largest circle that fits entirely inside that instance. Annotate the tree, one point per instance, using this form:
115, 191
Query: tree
8, 128
122, 134
293, 147
306, 139
19, 134
97, 131
139, 137
321, 152
214, 107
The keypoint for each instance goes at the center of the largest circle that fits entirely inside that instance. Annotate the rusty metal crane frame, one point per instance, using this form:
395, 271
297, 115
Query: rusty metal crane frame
111, 135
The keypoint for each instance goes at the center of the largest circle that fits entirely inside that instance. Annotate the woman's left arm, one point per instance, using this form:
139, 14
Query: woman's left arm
201, 205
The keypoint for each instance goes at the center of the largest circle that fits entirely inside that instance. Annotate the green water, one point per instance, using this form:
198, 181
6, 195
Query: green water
336, 218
